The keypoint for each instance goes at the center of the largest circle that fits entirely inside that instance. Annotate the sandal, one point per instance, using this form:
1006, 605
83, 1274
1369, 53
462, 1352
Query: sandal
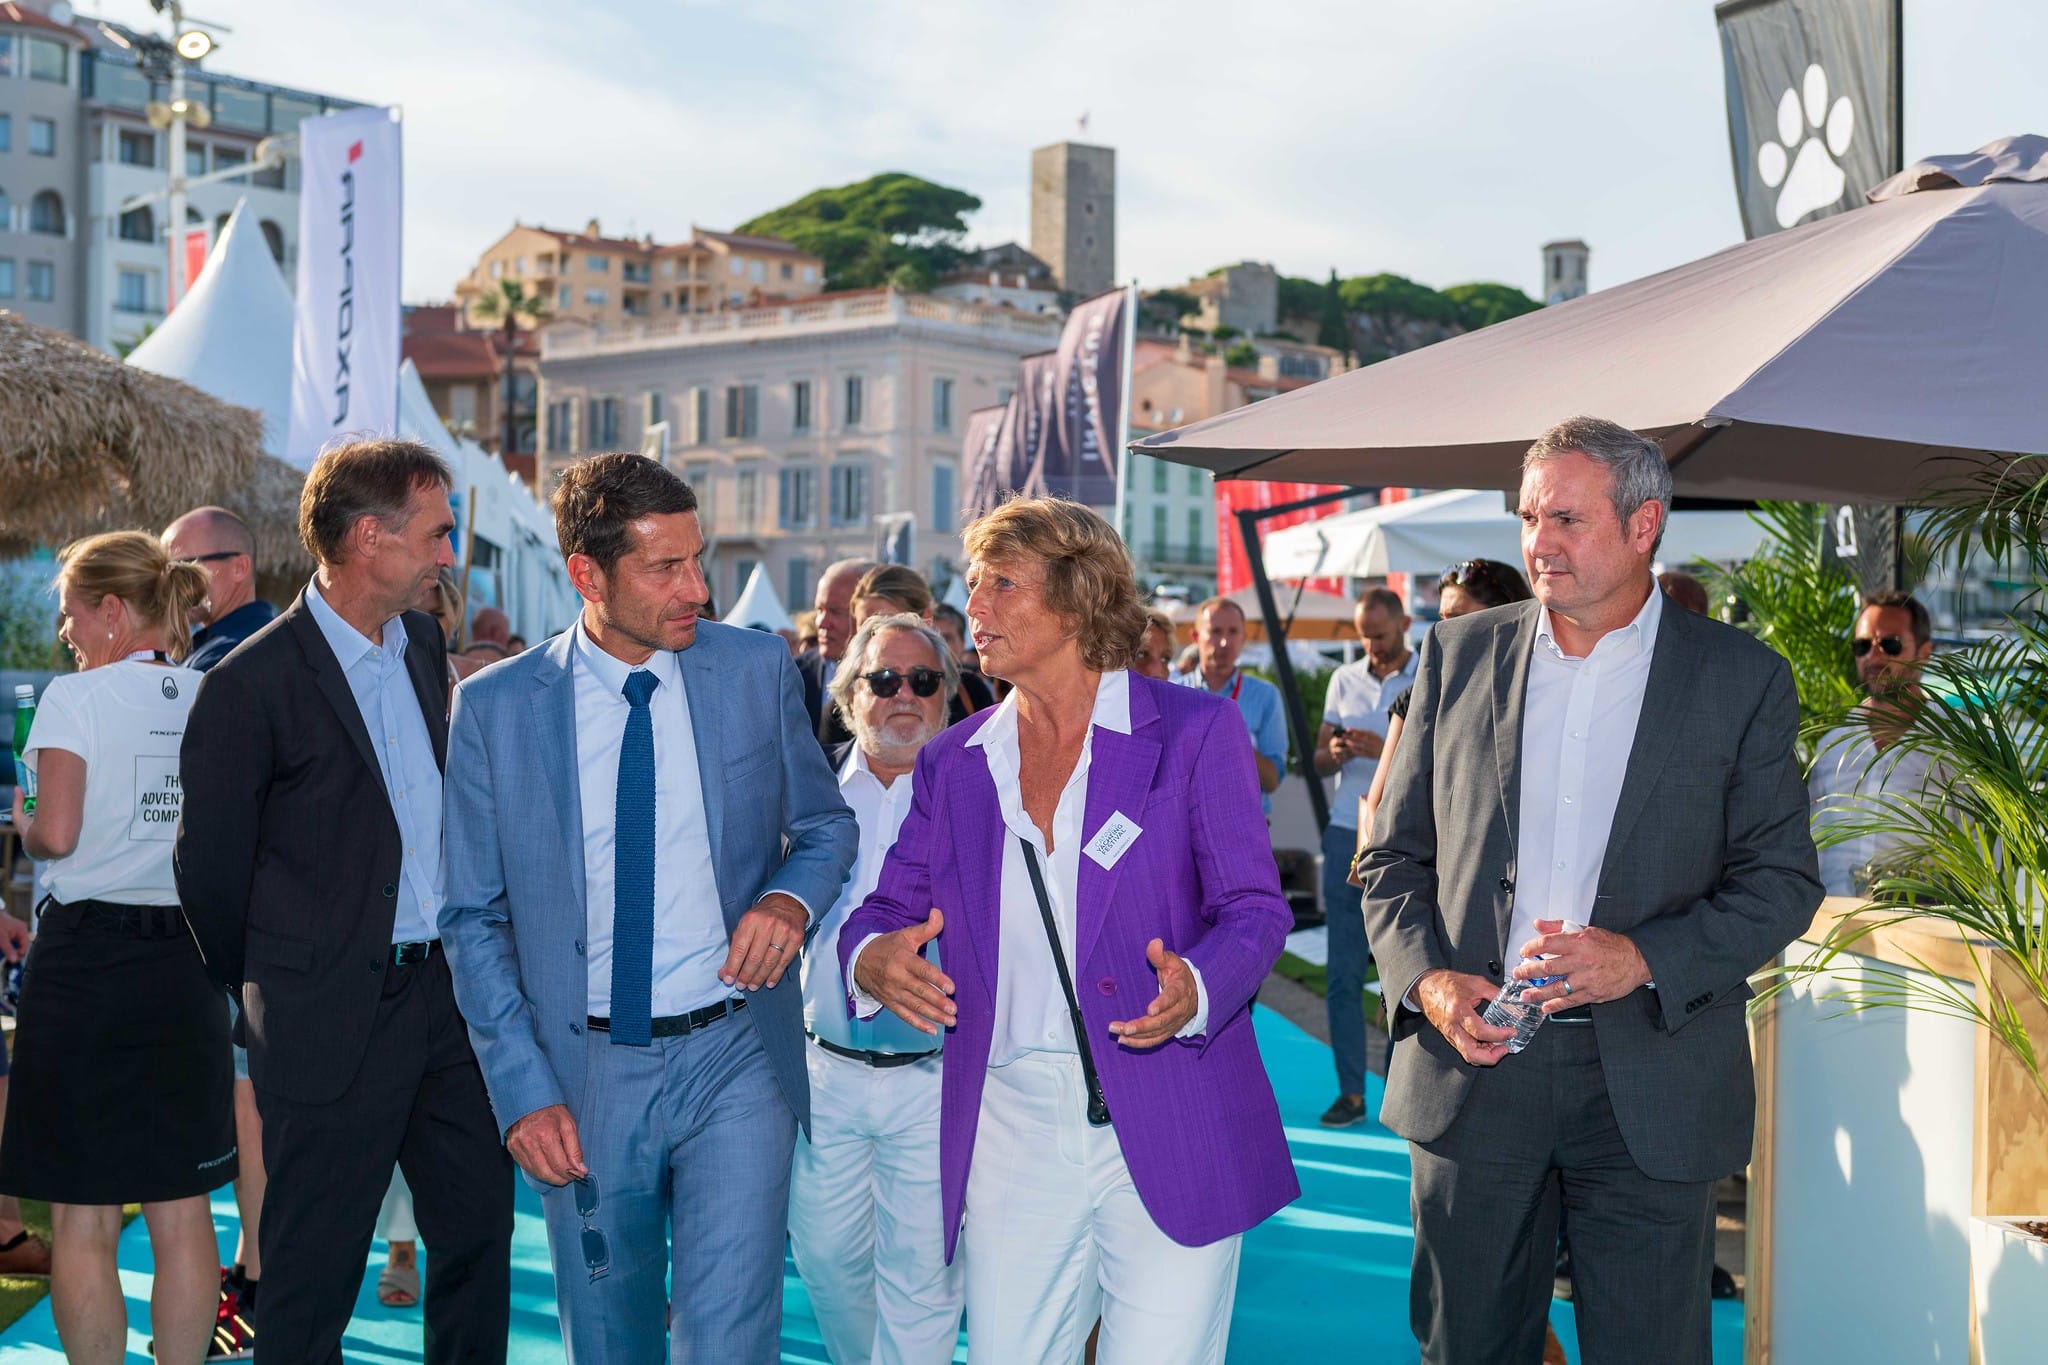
399, 1285
24, 1254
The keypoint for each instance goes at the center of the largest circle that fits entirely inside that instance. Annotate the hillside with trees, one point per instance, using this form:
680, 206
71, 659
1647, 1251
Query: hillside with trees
890, 229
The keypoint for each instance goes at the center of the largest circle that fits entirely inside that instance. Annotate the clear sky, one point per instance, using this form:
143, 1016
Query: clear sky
1441, 139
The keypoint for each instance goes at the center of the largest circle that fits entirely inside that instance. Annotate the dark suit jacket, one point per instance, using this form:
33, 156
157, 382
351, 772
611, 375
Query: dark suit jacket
825, 718
1710, 869
288, 855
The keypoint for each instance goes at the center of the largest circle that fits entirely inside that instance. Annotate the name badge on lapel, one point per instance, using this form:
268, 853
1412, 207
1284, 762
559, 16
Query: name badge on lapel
1113, 840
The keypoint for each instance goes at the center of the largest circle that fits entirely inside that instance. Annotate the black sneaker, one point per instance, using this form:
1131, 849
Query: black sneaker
1344, 1111
234, 1336
1722, 1285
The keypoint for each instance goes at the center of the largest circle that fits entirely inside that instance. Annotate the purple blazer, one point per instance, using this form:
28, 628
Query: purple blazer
1196, 1118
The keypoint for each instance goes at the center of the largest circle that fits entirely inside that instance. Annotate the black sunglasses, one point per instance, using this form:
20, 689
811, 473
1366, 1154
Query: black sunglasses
1466, 571
597, 1255
208, 559
887, 682
1892, 645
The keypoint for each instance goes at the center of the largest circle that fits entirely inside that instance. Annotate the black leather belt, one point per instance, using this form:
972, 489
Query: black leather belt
413, 953
1580, 1014
108, 919
676, 1025
874, 1059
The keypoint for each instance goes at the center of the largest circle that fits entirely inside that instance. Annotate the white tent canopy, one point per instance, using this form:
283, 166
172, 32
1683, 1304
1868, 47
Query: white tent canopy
231, 336
1424, 534
758, 607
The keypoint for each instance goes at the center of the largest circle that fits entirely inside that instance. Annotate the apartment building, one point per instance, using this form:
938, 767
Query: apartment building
799, 424
76, 144
603, 281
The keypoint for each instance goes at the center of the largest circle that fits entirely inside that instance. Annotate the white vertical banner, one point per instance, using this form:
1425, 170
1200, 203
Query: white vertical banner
345, 343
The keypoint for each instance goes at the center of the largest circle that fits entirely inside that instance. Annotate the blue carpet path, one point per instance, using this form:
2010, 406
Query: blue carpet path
1326, 1278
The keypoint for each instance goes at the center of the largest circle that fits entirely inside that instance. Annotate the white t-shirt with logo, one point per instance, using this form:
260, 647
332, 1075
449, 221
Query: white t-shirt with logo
126, 720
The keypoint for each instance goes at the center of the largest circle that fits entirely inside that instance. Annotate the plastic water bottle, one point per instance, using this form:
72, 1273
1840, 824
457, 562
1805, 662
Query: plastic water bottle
24, 717
1509, 1010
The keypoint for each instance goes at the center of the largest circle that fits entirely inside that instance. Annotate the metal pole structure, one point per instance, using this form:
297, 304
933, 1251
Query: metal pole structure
1276, 635
1123, 440
175, 208
1898, 163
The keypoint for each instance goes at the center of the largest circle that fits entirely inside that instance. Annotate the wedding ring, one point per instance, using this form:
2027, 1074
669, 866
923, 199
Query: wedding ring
777, 947
1567, 986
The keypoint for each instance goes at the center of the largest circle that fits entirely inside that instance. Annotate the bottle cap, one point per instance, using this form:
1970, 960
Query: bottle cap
24, 691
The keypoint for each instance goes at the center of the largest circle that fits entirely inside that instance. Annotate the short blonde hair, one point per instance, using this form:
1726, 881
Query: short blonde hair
133, 566
1156, 619
1089, 583
900, 585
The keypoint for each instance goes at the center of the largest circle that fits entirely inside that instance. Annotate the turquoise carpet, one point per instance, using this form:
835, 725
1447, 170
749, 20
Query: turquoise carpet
1326, 1278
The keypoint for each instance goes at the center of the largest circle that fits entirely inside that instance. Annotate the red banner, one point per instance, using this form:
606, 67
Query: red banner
1234, 496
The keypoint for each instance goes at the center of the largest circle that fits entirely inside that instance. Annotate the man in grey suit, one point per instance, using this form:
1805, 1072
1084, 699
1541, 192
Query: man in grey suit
641, 828
1589, 756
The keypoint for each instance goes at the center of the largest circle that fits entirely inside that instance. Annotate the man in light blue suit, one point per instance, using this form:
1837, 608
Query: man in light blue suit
640, 829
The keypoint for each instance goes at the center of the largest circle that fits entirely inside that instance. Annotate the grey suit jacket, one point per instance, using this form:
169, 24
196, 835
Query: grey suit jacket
514, 918
1710, 869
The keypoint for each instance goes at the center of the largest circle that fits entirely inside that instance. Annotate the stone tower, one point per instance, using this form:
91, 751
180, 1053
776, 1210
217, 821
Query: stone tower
1564, 270
1073, 215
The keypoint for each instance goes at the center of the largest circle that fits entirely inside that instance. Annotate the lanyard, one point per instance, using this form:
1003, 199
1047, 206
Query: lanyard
147, 656
1236, 682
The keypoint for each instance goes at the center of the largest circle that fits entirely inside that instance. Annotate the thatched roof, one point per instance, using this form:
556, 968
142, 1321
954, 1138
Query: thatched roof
89, 444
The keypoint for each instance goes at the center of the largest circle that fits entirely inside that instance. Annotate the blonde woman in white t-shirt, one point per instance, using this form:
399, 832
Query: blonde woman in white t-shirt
123, 1084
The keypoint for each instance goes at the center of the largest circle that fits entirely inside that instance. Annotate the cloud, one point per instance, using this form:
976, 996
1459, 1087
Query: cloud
1443, 141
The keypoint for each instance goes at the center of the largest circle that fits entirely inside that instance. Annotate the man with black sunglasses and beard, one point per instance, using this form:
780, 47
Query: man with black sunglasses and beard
864, 1210
1862, 758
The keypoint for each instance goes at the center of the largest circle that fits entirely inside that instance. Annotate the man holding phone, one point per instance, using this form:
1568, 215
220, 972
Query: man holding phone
1348, 745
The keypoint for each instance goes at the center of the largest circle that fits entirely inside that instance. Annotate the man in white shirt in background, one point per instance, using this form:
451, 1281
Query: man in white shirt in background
1860, 759
864, 1213
1348, 744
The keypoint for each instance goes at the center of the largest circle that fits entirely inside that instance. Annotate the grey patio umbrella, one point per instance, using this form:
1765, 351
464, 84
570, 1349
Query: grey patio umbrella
1831, 362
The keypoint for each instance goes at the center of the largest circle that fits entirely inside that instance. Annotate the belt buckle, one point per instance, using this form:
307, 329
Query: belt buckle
412, 954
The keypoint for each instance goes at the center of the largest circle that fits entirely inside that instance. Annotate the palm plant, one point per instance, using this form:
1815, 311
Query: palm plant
1801, 601
505, 308
1970, 853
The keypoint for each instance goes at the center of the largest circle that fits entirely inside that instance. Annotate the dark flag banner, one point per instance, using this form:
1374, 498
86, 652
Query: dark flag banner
1090, 388
1812, 104
1038, 462
981, 480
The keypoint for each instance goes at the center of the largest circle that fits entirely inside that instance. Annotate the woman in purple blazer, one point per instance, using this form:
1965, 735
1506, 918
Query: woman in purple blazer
1107, 1129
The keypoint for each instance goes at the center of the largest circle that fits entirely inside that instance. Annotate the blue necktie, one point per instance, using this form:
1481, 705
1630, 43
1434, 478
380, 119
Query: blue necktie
633, 871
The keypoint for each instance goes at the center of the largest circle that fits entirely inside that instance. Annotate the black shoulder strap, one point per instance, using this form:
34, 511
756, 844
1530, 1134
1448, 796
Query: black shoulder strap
1098, 1106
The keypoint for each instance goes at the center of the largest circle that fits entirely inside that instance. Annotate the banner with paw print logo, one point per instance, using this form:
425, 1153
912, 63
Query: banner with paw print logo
1812, 100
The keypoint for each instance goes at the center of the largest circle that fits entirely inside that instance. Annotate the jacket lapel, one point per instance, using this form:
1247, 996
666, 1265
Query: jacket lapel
1120, 769
1674, 664
332, 682
701, 684
426, 663
1513, 639
554, 730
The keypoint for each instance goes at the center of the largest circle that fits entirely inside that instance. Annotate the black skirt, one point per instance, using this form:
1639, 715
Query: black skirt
123, 1084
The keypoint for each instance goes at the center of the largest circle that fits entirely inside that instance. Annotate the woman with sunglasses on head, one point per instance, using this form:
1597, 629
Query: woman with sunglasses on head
897, 589
1093, 852
123, 1086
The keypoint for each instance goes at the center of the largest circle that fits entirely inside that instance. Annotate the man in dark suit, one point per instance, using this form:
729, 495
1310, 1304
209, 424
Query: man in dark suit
1594, 756
834, 607
309, 864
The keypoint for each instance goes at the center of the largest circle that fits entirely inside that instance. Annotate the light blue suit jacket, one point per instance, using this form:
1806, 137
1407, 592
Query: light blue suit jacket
513, 921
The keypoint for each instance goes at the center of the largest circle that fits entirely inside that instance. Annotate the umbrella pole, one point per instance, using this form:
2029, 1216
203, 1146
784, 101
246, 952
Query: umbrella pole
1248, 521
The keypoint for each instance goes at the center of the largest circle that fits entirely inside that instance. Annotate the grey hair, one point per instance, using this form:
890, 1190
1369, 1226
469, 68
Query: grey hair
857, 652
1635, 464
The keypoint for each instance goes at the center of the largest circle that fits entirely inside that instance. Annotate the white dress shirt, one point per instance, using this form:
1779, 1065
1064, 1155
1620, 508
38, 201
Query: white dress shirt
390, 709
1031, 1010
690, 940
1849, 773
879, 812
1578, 726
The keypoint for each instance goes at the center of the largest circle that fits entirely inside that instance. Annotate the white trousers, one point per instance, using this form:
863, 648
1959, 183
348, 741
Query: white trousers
1055, 1234
394, 1220
864, 1214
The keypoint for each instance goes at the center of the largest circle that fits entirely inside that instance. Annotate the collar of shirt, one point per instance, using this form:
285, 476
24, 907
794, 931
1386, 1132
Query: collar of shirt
612, 671
348, 643
1406, 672
1112, 712
238, 624
1639, 635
